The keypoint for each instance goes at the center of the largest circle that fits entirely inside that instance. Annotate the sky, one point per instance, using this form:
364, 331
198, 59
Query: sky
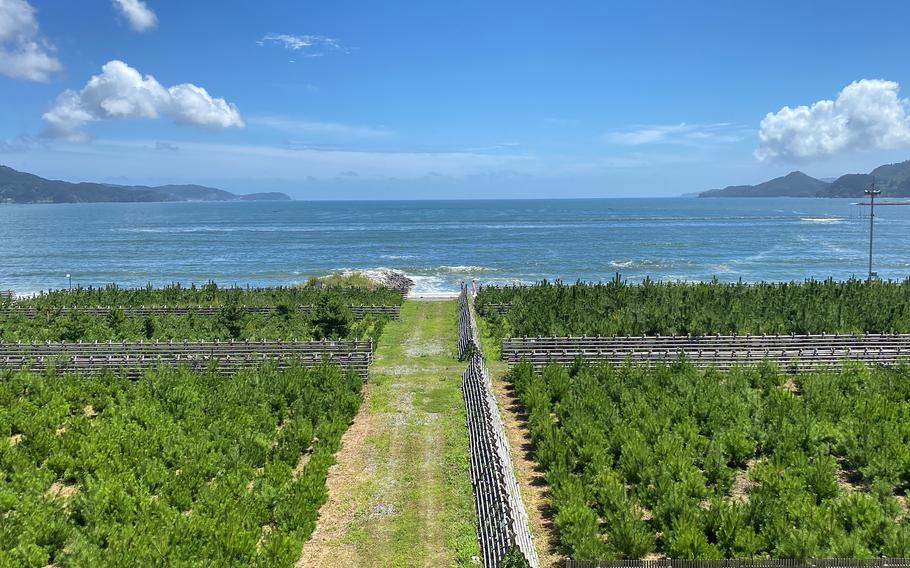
439, 100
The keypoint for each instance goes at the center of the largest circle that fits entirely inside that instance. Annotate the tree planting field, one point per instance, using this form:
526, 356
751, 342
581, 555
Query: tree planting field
177, 469
57, 316
674, 461
208, 295
681, 308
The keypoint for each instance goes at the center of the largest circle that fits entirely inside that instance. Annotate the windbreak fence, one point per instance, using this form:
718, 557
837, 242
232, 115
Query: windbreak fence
133, 358
502, 522
790, 352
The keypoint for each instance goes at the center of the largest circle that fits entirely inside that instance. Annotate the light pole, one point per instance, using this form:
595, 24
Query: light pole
71, 281
871, 192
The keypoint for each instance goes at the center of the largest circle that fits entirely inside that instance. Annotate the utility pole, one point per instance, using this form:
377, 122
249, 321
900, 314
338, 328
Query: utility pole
871, 192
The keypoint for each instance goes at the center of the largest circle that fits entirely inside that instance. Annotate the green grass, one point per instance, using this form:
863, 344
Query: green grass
352, 280
409, 500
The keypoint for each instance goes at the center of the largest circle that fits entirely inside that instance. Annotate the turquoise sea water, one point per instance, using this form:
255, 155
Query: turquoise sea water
441, 243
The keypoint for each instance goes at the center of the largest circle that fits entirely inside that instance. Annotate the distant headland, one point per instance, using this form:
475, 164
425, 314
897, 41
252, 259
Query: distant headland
21, 187
892, 179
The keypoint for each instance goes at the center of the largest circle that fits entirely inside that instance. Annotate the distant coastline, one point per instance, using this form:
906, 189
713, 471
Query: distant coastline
892, 179
24, 188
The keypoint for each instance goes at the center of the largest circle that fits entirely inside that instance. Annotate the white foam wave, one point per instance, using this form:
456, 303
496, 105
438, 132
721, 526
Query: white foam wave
430, 285
723, 268
639, 263
462, 269
823, 220
509, 281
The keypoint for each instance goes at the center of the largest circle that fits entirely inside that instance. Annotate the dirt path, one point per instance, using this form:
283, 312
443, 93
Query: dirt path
531, 482
400, 493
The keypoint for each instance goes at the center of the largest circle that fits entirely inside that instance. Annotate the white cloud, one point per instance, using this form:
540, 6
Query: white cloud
121, 92
867, 114
305, 45
239, 160
24, 54
320, 128
680, 134
20, 143
138, 14
322, 163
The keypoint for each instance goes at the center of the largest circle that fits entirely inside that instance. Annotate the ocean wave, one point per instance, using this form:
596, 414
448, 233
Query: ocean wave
443, 279
506, 281
723, 268
823, 220
640, 263
431, 284
345, 226
461, 269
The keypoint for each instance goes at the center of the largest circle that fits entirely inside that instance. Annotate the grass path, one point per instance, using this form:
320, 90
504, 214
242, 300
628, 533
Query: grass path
400, 492
530, 476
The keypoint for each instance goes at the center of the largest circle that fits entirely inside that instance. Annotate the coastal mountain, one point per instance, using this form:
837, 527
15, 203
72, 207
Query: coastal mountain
21, 187
892, 179
794, 184
190, 192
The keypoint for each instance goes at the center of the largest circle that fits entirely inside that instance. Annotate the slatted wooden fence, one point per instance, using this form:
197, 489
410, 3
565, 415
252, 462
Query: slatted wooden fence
133, 358
500, 309
502, 522
792, 352
467, 328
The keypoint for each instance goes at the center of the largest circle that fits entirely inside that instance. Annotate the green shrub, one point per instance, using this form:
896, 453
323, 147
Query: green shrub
333, 319
180, 468
721, 464
680, 308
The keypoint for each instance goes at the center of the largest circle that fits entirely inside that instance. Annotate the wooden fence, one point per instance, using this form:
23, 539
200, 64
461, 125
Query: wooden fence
792, 352
500, 309
133, 358
360, 312
467, 328
502, 522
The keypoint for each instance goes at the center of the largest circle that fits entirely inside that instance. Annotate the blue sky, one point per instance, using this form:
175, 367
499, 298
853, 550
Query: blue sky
451, 99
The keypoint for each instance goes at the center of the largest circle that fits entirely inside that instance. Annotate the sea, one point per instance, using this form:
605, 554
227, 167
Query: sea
440, 244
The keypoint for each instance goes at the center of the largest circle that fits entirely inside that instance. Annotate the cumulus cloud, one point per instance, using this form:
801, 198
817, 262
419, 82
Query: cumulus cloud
24, 54
304, 45
867, 114
138, 14
122, 92
679, 134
